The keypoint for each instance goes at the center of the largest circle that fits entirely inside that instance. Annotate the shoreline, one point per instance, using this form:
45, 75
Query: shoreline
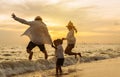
103, 68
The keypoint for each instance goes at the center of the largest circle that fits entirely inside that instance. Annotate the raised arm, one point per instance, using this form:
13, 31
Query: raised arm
54, 46
64, 39
20, 19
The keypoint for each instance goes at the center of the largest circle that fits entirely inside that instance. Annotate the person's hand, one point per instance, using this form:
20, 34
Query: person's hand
63, 38
13, 15
52, 45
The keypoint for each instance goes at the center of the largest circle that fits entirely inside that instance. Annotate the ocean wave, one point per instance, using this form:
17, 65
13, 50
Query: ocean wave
18, 67
10, 68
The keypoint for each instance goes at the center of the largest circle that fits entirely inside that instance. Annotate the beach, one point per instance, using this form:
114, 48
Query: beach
103, 68
36, 34
14, 61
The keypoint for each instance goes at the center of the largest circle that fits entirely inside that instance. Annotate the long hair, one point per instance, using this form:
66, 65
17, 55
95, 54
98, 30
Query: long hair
70, 24
75, 29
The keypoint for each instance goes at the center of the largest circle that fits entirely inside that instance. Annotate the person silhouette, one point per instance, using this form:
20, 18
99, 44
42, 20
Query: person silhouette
59, 55
38, 34
71, 40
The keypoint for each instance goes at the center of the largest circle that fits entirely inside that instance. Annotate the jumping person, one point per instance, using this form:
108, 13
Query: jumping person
71, 40
38, 34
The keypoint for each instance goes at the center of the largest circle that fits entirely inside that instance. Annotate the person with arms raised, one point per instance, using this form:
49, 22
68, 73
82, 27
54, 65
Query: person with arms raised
38, 34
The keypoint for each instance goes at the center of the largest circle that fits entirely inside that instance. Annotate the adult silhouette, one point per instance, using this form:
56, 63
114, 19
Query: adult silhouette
38, 34
71, 40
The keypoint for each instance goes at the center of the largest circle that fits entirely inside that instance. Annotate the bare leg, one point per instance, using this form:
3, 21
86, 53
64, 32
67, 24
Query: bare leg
60, 70
68, 51
57, 68
45, 54
30, 54
79, 54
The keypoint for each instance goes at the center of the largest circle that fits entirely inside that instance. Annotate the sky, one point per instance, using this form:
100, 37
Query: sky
97, 21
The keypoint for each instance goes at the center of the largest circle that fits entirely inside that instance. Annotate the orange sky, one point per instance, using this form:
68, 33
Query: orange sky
97, 21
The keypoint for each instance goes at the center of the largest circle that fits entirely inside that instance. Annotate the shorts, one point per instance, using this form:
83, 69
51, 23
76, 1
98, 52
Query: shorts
31, 45
69, 48
71, 45
60, 62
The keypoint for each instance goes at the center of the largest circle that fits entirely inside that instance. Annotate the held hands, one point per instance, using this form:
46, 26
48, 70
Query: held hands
13, 15
63, 38
52, 46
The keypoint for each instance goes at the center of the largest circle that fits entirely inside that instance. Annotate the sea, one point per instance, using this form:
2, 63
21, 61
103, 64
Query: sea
14, 58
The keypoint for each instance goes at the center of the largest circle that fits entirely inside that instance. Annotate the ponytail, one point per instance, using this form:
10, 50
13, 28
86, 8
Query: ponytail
75, 29
70, 24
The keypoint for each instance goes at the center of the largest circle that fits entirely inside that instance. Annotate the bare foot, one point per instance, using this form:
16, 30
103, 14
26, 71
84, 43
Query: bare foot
61, 73
46, 56
30, 56
79, 54
75, 56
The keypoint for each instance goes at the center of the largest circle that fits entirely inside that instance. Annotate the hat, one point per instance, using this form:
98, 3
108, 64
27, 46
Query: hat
38, 18
70, 24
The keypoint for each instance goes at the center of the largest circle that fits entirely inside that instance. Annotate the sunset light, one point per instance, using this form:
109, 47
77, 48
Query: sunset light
91, 17
59, 38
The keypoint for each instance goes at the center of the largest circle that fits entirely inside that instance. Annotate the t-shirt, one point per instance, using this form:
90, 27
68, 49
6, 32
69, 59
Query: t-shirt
59, 52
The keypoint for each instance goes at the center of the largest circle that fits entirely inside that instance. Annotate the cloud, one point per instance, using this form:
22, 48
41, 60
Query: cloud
93, 17
36, 7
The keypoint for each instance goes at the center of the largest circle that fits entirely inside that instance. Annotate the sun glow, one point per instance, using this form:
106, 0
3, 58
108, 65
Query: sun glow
93, 19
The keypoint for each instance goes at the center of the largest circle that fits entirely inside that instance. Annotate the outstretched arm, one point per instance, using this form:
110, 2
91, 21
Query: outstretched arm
20, 19
53, 46
64, 38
